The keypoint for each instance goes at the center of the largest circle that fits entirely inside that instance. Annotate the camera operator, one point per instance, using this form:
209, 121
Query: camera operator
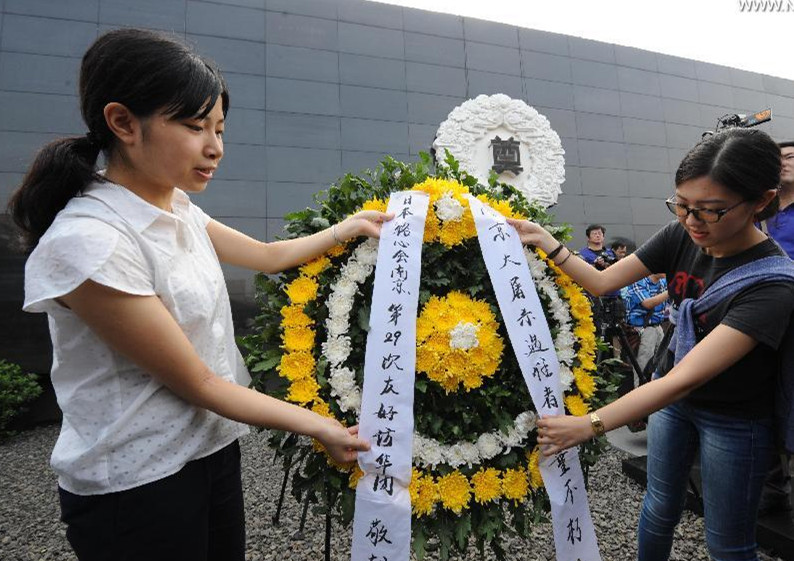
594, 252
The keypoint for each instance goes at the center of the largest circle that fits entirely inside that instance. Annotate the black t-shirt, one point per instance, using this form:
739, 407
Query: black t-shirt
761, 311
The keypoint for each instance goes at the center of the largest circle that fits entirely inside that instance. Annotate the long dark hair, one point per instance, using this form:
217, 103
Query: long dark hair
145, 71
746, 161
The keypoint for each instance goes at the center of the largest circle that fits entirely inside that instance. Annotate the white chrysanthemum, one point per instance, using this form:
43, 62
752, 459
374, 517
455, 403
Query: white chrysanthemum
345, 286
367, 252
336, 349
427, 451
356, 271
464, 336
488, 445
350, 401
526, 422
447, 208
342, 381
337, 326
566, 377
339, 305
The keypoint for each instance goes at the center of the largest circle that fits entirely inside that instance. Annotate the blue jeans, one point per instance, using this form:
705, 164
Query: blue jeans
735, 455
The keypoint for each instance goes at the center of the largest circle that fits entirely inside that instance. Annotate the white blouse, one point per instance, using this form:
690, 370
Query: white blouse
121, 427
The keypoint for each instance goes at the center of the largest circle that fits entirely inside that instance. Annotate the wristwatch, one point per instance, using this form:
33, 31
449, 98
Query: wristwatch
598, 426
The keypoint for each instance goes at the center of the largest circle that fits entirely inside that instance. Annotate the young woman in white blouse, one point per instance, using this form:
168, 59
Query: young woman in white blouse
146, 371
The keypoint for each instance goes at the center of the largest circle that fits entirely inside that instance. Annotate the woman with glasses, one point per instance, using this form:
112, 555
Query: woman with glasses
732, 296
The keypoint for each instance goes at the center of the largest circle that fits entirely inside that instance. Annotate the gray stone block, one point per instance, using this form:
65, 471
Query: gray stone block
562, 121
492, 58
643, 233
652, 184
605, 182
372, 103
429, 109
83, 10
573, 180
641, 106
715, 94
430, 49
588, 49
301, 31
710, 113
374, 136
244, 57
571, 148
253, 227
259, 4
43, 113
750, 101
359, 70
782, 128
302, 63
596, 74
676, 87
489, 83
569, 209
592, 126
543, 41
245, 90
297, 96
429, 78
781, 106
357, 162
638, 81
372, 41
306, 131
713, 73
596, 100
204, 18
157, 14
315, 8
285, 197
19, 148
541, 93
647, 158
745, 79
275, 228
674, 157
38, 73
677, 66
371, 13
46, 36
608, 211
636, 58
245, 126
649, 211
600, 154
303, 165
431, 23
546, 66
420, 137
492, 32
9, 182
682, 112
234, 199
242, 162
641, 131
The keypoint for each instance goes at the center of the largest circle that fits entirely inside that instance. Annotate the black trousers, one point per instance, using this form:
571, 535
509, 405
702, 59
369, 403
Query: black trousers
194, 515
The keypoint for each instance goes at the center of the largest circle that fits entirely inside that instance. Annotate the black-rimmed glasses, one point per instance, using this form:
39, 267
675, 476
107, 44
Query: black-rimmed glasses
707, 215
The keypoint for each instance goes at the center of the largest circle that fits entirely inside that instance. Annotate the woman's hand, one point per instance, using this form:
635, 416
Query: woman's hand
364, 223
559, 432
341, 443
534, 234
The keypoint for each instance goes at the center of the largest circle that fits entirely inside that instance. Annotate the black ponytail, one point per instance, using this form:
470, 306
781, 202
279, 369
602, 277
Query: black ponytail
147, 72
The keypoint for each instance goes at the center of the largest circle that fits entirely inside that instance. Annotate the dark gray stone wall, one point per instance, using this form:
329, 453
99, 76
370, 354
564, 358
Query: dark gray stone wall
322, 87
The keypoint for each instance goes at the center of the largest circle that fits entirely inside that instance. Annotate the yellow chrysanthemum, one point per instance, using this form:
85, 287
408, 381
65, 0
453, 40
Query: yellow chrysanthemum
585, 383
336, 251
535, 478
301, 290
424, 493
322, 408
298, 339
515, 484
296, 365
315, 267
454, 491
294, 316
375, 204
576, 405
303, 391
355, 475
486, 485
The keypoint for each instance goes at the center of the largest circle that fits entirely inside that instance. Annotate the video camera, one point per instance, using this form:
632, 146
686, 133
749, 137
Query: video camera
729, 121
607, 258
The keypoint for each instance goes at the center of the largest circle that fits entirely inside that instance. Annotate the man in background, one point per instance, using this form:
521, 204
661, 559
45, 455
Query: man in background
781, 226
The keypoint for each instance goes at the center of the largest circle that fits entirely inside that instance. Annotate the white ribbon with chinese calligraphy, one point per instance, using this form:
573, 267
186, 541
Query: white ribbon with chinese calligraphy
574, 537
382, 521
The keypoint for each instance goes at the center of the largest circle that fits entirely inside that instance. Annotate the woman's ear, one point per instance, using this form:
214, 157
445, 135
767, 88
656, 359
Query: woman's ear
765, 200
122, 122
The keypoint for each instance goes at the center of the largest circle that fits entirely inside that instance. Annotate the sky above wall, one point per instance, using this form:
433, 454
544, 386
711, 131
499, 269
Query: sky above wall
755, 35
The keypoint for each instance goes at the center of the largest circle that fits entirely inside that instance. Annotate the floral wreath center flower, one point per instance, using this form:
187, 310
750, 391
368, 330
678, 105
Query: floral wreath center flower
464, 336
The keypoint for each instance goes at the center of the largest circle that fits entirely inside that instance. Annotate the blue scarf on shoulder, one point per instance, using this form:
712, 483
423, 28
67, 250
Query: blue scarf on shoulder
768, 269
